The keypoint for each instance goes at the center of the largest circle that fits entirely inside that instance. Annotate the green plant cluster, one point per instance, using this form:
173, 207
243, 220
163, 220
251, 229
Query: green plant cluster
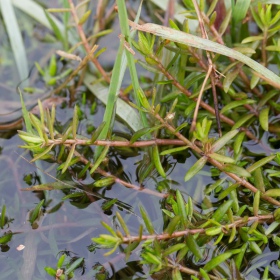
233, 64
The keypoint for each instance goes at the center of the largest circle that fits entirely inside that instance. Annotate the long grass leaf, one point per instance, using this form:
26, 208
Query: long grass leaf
200, 43
15, 38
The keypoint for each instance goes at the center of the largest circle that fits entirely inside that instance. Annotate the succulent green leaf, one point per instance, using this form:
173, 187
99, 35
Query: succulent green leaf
213, 231
195, 168
221, 158
239, 257
3, 216
157, 161
104, 182
138, 134
237, 103
74, 265
147, 220
230, 77
238, 143
216, 261
221, 211
232, 168
260, 163
220, 143
69, 158
100, 159
193, 246
263, 118
173, 150
181, 208
60, 261
255, 247
35, 213
84, 17
242, 121
273, 192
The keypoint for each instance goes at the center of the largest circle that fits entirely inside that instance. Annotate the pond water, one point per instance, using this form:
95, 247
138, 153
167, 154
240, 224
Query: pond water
67, 226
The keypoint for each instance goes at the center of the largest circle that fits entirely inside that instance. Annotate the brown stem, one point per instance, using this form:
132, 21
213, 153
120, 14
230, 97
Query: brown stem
216, 163
85, 42
117, 180
165, 236
202, 103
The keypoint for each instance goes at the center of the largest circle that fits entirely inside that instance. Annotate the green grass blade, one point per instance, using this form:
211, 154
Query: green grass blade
130, 58
15, 38
200, 43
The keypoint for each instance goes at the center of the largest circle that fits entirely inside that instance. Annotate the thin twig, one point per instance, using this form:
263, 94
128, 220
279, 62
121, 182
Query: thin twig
85, 42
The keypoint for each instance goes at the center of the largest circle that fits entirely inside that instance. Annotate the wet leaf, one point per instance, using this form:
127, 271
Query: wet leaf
221, 158
216, 261
193, 246
237, 103
69, 158
256, 203
255, 247
239, 257
84, 17
238, 143
243, 120
263, 118
35, 212
172, 249
230, 77
221, 211
122, 223
100, 159
105, 182
232, 168
195, 168
204, 274
147, 220
173, 150
97, 132
273, 192
213, 231
74, 265
220, 143
60, 261
228, 190
146, 130
260, 163
173, 224
181, 208
157, 161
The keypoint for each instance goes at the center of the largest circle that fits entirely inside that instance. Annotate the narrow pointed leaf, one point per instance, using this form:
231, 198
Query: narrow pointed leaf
235, 104
273, 192
99, 159
195, 168
181, 208
260, 163
147, 220
157, 161
221, 211
138, 134
216, 261
197, 42
242, 121
220, 143
193, 246
263, 118
222, 158
67, 162
173, 150
232, 168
